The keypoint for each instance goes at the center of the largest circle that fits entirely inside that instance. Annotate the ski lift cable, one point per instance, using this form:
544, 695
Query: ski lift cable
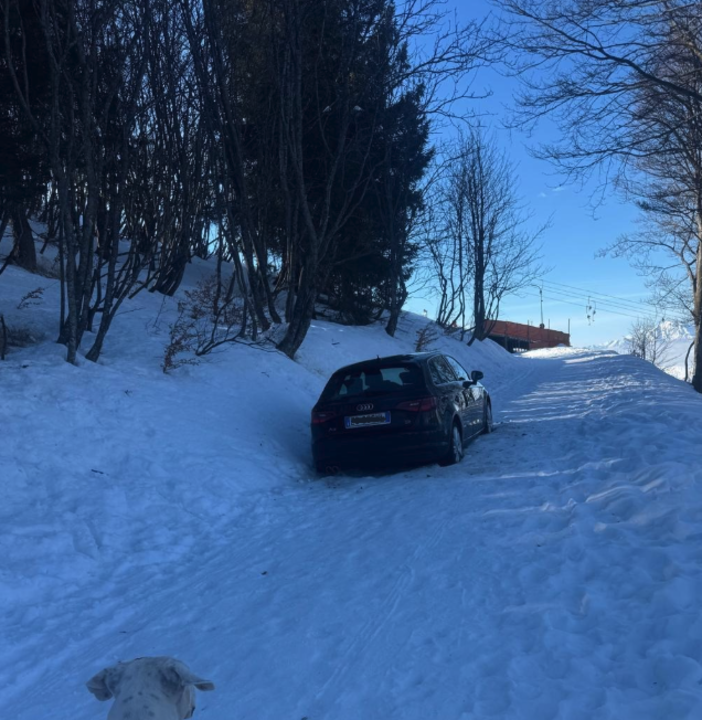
641, 310
589, 300
589, 297
584, 292
594, 293
581, 305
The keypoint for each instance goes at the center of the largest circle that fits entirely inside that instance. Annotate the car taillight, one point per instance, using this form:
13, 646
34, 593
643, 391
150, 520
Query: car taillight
322, 416
421, 405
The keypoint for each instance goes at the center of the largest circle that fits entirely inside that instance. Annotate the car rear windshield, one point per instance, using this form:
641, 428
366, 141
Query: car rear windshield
373, 381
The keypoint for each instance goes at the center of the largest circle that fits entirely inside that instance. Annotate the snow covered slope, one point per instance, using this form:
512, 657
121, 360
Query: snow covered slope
554, 573
673, 339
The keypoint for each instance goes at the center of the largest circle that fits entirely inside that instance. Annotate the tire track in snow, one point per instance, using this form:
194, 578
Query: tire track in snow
362, 643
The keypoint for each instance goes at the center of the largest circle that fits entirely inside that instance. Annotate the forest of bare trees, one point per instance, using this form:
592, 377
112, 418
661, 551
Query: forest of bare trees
288, 138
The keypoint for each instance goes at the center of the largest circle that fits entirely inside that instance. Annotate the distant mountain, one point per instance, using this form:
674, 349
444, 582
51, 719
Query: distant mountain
673, 339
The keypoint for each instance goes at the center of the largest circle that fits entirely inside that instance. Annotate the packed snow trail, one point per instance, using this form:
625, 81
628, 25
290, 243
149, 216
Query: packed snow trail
554, 573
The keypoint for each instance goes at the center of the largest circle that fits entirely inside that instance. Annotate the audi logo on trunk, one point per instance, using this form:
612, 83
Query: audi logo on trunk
366, 406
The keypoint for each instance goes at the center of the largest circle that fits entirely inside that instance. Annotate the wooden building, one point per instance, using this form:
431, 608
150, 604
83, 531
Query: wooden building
516, 337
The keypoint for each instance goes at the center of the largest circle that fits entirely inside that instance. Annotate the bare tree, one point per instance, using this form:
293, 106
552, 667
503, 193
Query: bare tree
668, 248
622, 80
586, 64
213, 32
23, 163
170, 198
444, 240
487, 248
646, 341
439, 74
124, 141
23, 253
95, 68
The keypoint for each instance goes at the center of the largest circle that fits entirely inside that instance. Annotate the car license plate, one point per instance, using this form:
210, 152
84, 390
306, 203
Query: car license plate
357, 421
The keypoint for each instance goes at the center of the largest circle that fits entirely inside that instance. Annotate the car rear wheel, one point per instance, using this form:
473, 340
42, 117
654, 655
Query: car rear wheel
487, 419
455, 451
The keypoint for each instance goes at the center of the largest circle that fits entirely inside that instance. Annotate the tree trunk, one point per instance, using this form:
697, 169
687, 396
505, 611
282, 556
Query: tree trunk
299, 323
3, 337
697, 314
479, 296
392, 304
302, 309
4, 221
68, 333
24, 253
398, 298
391, 327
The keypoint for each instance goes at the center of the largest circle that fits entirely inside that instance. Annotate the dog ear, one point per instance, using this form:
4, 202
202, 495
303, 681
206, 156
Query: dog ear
177, 675
104, 684
199, 683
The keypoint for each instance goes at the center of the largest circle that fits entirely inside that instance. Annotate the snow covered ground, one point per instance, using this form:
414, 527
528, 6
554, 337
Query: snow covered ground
555, 573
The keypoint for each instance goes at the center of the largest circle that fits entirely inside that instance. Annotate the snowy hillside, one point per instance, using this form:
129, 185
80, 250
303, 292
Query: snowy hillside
673, 339
554, 573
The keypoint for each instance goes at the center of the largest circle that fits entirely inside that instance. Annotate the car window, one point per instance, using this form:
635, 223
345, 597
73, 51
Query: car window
441, 371
458, 369
373, 381
409, 375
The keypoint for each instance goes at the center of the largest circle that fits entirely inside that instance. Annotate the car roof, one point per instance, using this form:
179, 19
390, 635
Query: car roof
381, 362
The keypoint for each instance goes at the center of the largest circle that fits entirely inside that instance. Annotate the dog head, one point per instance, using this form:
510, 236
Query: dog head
159, 680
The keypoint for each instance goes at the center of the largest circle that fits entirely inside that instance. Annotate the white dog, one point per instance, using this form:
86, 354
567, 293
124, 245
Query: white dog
148, 688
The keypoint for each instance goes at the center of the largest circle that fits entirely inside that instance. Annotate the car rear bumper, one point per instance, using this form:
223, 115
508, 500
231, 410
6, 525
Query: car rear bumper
382, 450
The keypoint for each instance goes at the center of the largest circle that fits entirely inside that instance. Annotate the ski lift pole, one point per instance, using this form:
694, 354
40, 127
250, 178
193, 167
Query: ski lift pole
541, 302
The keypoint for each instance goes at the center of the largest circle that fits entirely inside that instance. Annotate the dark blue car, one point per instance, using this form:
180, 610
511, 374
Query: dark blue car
403, 409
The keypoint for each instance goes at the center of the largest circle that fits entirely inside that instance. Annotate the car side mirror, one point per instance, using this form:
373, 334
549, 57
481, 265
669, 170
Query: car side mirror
476, 375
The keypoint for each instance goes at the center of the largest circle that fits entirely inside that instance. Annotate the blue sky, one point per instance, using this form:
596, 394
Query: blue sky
574, 237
